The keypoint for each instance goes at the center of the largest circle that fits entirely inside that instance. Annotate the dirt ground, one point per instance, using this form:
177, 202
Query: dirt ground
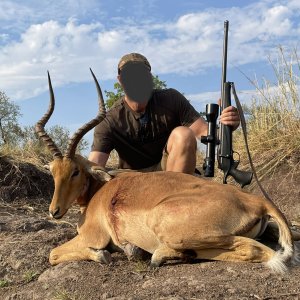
27, 235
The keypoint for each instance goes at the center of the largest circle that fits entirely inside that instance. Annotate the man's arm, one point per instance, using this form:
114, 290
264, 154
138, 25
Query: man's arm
199, 127
100, 158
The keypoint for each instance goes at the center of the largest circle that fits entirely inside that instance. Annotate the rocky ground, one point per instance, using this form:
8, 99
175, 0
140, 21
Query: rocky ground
27, 235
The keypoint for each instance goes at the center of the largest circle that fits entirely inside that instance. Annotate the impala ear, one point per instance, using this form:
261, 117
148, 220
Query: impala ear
100, 174
47, 167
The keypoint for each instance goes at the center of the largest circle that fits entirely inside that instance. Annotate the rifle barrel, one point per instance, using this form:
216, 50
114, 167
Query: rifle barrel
224, 64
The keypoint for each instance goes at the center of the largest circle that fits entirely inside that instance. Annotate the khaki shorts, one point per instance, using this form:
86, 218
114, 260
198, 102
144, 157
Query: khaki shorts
161, 166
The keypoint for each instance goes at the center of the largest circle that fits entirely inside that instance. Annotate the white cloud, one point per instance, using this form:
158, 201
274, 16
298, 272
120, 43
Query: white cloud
284, 92
61, 49
36, 11
12, 11
188, 45
200, 100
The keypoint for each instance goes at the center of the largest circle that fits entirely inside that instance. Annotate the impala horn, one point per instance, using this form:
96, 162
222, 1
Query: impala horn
74, 140
39, 127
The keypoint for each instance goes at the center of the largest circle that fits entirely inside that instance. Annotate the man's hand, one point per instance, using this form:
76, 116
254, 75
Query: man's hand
230, 116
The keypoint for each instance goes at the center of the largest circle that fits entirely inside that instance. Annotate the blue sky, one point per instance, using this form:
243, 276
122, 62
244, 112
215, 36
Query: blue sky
182, 40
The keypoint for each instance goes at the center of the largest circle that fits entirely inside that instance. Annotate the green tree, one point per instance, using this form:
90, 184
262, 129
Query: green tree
112, 97
159, 84
10, 131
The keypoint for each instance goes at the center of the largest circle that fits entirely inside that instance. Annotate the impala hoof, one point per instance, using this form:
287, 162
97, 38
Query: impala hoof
134, 253
104, 257
155, 264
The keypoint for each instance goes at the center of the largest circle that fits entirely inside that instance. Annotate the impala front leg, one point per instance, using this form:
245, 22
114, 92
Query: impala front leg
76, 249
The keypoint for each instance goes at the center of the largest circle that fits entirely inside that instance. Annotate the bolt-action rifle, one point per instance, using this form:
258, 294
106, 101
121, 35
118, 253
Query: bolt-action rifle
223, 141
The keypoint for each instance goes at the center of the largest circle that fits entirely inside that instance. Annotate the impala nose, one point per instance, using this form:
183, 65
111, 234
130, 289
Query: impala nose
54, 213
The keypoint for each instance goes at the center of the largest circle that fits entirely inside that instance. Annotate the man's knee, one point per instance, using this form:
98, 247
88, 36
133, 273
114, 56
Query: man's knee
183, 137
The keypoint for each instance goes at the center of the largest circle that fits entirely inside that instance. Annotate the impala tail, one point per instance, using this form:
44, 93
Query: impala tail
287, 252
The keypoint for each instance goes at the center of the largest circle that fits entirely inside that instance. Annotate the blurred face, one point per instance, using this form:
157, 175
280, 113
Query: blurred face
137, 82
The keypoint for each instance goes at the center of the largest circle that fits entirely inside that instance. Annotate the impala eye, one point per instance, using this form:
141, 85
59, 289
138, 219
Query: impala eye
75, 173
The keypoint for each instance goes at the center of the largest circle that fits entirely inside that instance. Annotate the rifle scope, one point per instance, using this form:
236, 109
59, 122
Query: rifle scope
212, 112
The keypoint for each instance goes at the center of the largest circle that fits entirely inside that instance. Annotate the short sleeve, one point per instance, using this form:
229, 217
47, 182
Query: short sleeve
102, 138
186, 112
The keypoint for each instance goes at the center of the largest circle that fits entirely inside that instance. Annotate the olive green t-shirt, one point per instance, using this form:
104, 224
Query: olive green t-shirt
139, 138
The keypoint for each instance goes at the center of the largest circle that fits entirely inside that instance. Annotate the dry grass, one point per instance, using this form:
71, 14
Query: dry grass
30, 153
273, 123
113, 160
